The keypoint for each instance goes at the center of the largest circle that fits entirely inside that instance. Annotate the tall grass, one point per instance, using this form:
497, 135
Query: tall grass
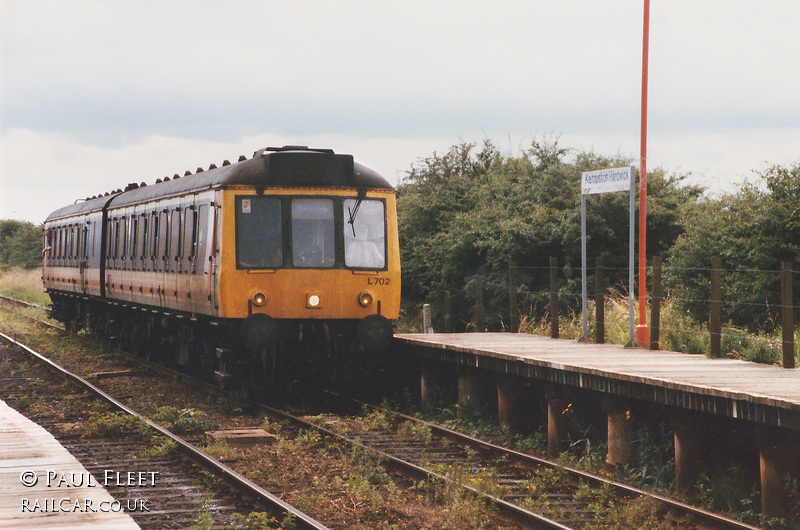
24, 284
679, 332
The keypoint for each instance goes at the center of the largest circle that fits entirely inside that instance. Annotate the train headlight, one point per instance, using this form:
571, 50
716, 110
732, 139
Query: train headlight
312, 300
365, 298
259, 299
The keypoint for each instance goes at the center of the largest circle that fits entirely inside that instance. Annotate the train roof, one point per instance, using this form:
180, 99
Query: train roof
288, 166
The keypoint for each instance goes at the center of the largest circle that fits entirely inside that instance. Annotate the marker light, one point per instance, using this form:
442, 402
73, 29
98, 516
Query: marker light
365, 298
312, 300
259, 299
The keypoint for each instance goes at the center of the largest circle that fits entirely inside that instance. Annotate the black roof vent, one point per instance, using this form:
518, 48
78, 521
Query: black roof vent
131, 186
242, 158
226, 163
212, 166
298, 148
199, 170
187, 173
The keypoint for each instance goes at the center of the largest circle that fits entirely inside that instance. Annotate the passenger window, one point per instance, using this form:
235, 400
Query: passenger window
163, 234
313, 233
154, 237
200, 240
259, 232
122, 239
364, 234
175, 235
189, 233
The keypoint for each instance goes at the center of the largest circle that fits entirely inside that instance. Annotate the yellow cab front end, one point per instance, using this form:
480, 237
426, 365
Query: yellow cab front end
299, 254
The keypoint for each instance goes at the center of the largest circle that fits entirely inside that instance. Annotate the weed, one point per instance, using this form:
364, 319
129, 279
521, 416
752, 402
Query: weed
382, 418
729, 490
204, 519
161, 447
221, 450
183, 420
263, 521
419, 432
114, 424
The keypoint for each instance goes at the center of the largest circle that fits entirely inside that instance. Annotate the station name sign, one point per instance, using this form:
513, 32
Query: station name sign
606, 180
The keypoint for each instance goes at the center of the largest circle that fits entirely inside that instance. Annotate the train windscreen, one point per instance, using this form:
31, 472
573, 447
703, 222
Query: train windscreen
259, 233
364, 234
313, 233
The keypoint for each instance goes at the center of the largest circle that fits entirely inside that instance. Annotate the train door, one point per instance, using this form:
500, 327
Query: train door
84, 256
162, 247
216, 224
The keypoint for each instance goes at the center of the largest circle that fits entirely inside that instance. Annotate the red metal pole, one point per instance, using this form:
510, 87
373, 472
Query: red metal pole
642, 331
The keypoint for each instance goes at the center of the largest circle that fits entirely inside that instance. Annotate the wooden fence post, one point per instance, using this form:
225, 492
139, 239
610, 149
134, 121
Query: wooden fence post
600, 301
787, 315
513, 309
655, 306
448, 313
427, 326
715, 323
479, 303
553, 297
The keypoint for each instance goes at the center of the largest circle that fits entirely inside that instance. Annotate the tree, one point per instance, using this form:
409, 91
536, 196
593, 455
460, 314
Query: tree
470, 212
752, 230
20, 244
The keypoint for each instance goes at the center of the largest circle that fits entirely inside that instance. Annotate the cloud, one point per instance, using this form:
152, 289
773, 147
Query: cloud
96, 94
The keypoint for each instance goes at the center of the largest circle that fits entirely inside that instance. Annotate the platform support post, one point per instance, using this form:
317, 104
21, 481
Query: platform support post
511, 403
435, 383
778, 462
621, 432
469, 392
557, 408
689, 442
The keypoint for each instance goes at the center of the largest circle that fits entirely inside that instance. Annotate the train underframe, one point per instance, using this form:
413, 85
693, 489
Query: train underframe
303, 355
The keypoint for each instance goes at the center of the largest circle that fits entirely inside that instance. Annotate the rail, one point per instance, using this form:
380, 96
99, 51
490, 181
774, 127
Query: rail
193, 452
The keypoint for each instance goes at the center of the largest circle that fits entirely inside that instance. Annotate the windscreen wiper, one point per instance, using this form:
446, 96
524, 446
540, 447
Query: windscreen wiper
354, 211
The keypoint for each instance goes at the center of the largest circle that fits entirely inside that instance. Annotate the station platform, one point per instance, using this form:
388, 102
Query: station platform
763, 394
43, 486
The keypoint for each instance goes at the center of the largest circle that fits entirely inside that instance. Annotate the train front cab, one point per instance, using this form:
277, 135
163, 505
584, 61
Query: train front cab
294, 259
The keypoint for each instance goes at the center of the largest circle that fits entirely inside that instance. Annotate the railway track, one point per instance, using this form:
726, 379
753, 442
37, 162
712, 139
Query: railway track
568, 496
530, 491
181, 501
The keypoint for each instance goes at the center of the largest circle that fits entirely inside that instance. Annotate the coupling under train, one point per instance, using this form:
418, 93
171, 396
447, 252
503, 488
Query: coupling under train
277, 266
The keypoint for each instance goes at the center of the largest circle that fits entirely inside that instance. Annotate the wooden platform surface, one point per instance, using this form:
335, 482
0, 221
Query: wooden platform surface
26, 448
725, 378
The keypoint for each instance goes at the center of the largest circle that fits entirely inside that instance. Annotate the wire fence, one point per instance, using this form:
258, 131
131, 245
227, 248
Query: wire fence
740, 313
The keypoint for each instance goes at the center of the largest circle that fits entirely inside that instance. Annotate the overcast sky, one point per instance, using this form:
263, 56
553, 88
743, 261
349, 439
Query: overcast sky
99, 93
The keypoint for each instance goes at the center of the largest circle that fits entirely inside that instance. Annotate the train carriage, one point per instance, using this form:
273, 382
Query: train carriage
288, 258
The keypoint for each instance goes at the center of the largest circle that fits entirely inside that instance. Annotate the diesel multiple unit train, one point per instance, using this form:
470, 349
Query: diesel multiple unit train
284, 263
